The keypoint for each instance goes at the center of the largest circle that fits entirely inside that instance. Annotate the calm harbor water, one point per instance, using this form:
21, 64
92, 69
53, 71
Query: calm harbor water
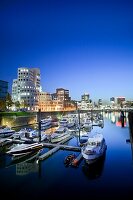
111, 177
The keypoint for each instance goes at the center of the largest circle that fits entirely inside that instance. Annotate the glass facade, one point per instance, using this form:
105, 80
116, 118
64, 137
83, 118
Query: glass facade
3, 89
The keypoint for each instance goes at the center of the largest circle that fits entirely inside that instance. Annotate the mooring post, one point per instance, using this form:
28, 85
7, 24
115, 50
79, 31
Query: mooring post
122, 118
79, 122
39, 124
130, 119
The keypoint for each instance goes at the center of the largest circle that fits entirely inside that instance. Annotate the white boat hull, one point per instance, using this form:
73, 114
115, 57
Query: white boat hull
23, 149
92, 157
60, 138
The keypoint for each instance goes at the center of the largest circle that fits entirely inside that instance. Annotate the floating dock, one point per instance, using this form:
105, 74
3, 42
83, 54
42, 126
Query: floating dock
58, 146
49, 153
77, 160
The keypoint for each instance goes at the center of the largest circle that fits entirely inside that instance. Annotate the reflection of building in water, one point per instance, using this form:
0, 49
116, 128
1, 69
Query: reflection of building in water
121, 124
115, 117
130, 119
113, 120
121, 119
94, 170
26, 168
26, 164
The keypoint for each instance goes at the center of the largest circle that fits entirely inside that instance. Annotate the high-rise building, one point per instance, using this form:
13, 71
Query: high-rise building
85, 97
3, 89
26, 87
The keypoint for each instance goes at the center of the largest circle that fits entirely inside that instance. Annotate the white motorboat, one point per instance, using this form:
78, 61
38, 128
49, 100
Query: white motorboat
46, 123
21, 149
24, 158
29, 135
43, 137
94, 148
87, 125
6, 132
63, 122
60, 134
70, 124
19, 134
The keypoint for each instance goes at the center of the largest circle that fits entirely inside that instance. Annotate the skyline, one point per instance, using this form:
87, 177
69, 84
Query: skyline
81, 46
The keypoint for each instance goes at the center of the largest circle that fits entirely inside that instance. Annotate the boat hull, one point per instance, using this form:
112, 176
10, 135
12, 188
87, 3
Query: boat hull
7, 134
93, 157
24, 151
60, 138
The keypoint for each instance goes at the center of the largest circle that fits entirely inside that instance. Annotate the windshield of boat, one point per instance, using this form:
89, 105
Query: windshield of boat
59, 132
92, 143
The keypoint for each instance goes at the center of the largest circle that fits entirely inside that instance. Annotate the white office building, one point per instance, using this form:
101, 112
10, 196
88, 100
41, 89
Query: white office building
26, 87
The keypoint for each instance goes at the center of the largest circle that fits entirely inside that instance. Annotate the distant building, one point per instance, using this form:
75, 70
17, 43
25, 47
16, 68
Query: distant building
54, 96
100, 102
62, 94
85, 97
3, 89
44, 96
45, 101
112, 99
59, 101
26, 87
120, 100
46, 104
129, 103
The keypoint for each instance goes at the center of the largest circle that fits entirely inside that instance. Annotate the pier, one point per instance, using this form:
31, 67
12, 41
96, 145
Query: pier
49, 153
58, 146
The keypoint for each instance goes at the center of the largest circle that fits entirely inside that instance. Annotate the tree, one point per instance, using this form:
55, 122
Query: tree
9, 101
17, 104
23, 104
2, 105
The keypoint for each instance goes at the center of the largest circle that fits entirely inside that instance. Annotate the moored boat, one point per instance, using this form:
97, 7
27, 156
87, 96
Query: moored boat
60, 134
94, 148
83, 139
69, 159
24, 158
6, 131
21, 149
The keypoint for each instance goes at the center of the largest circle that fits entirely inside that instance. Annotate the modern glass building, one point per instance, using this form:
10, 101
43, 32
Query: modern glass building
3, 89
27, 87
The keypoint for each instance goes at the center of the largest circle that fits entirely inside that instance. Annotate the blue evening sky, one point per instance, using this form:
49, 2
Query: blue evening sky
83, 46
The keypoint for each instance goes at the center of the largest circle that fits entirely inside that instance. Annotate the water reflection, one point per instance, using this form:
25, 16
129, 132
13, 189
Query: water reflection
94, 170
130, 118
118, 118
25, 164
2, 161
